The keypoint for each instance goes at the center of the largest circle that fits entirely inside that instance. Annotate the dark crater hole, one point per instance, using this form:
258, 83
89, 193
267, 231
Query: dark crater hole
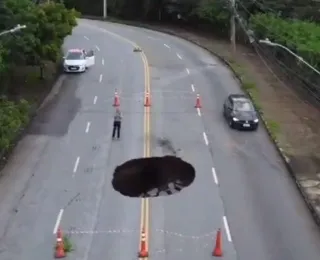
153, 176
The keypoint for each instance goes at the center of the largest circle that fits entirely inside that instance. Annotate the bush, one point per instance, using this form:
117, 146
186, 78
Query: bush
301, 37
13, 117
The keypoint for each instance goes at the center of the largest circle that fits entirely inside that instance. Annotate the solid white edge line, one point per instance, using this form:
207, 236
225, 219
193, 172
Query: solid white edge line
179, 56
88, 127
226, 226
76, 164
56, 226
100, 78
214, 176
188, 71
205, 138
166, 45
86, 37
95, 100
192, 87
199, 112
98, 49
102, 61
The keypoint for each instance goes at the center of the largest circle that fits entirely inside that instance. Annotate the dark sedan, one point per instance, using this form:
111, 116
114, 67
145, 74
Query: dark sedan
240, 112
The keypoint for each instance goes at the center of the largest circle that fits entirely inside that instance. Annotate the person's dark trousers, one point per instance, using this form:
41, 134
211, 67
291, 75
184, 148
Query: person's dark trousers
116, 127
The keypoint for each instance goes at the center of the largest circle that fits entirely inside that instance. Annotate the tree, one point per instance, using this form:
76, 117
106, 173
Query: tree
214, 11
47, 25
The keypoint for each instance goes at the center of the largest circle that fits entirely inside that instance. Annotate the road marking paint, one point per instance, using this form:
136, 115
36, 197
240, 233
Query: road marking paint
166, 45
179, 56
102, 61
86, 38
199, 112
88, 127
100, 78
56, 226
95, 100
226, 226
205, 138
145, 202
97, 48
75, 168
214, 176
188, 71
192, 87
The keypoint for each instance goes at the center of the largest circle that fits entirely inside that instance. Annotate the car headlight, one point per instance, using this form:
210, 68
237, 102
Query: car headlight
256, 120
235, 119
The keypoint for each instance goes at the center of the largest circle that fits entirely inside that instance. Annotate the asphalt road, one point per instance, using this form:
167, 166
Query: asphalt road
65, 163
241, 185
61, 171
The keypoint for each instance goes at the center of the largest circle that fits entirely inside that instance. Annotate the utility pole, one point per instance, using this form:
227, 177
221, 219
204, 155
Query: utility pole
105, 8
233, 25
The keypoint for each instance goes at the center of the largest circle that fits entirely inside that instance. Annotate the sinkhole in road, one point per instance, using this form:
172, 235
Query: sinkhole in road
153, 176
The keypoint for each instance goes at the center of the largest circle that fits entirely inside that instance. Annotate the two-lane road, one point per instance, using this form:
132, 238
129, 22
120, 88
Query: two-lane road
60, 174
241, 184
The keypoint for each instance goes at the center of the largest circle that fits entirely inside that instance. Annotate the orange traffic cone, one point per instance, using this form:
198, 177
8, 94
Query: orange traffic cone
147, 102
218, 247
143, 247
59, 252
116, 102
198, 102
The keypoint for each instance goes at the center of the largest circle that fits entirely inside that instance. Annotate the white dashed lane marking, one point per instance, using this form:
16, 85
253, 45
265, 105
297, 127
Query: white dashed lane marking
95, 100
166, 45
100, 78
86, 38
98, 49
226, 226
88, 127
76, 164
102, 61
188, 71
205, 138
214, 176
199, 112
56, 226
192, 87
178, 55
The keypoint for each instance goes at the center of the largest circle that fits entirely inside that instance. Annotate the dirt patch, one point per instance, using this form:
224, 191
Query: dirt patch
152, 177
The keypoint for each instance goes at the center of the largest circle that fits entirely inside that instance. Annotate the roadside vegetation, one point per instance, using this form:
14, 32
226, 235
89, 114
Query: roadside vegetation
29, 60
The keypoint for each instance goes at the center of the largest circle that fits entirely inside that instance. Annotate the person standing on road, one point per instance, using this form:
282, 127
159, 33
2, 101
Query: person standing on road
117, 123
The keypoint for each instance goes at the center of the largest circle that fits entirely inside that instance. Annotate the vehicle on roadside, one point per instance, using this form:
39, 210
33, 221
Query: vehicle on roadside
78, 60
240, 113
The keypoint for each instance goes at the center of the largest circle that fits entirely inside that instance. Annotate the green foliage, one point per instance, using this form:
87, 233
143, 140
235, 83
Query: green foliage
13, 116
68, 247
47, 24
300, 36
214, 11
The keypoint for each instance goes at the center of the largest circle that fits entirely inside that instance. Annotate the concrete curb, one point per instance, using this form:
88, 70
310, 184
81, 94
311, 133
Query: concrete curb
280, 151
